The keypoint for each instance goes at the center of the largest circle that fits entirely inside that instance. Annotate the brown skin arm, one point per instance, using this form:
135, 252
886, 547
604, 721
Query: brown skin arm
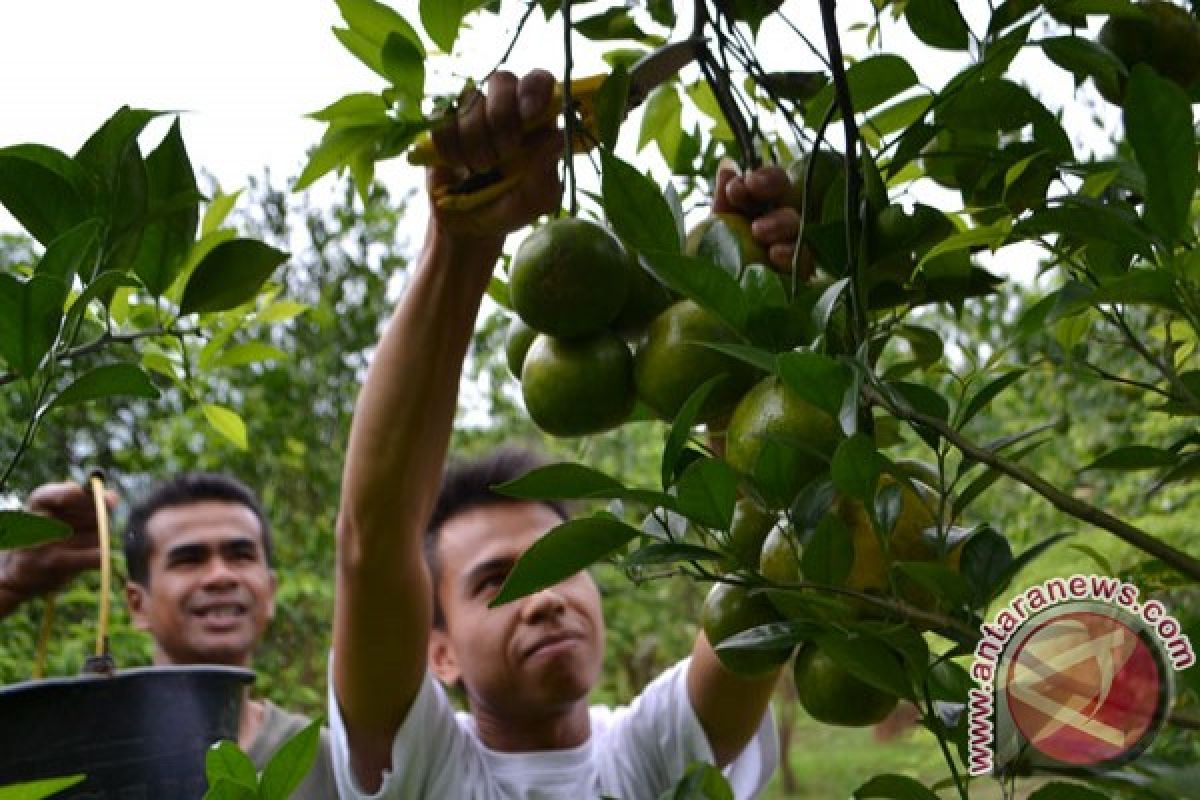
405, 413
35, 571
730, 708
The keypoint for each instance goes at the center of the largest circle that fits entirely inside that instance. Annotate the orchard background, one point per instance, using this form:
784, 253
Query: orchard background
1006, 291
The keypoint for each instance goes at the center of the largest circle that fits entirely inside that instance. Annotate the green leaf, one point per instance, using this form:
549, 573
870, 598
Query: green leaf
773, 635
707, 492
104, 154
702, 281
636, 207
564, 551
248, 353
110, 380
986, 559
894, 787
229, 275
616, 23
1158, 122
828, 556
700, 782
662, 121
73, 252
281, 311
43, 189
565, 481
1084, 58
166, 240
869, 660
226, 761
817, 378
938, 23
681, 429
937, 579
23, 529
856, 466
1134, 457
38, 790
226, 789
657, 553
226, 422
443, 18
988, 393
30, 314
1057, 790
609, 106
291, 763
404, 65
873, 81
373, 21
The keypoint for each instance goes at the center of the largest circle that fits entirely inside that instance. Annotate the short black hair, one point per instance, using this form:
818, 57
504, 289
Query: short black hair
468, 484
182, 490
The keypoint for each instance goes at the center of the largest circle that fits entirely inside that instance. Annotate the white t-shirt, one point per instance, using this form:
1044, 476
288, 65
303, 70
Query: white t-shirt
634, 752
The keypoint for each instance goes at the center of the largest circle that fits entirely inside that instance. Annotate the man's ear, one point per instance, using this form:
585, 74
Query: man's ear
137, 598
442, 658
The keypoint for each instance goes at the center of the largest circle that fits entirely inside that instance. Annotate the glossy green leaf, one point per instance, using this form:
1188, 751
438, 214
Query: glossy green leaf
110, 380
38, 790
938, 23
1084, 58
373, 21
217, 210
662, 121
636, 208
564, 551
281, 311
828, 556
658, 553
173, 204
700, 782
443, 18
984, 563
700, 280
565, 481
30, 314
681, 430
23, 529
609, 106
985, 395
404, 65
335, 150
818, 378
248, 353
869, 660
706, 493
227, 789
939, 580
615, 23
873, 81
1158, 122
43, 189
291, 763
73, 252
856, 466
1134, 457
104, 154
229, 275
226, 422
226, 761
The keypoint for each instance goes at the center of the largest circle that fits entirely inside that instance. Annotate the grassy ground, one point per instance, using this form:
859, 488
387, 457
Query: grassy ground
830, 763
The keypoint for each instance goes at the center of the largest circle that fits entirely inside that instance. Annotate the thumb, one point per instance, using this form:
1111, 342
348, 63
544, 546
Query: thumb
727, 170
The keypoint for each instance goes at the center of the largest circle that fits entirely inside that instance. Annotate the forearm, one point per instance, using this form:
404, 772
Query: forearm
405, 412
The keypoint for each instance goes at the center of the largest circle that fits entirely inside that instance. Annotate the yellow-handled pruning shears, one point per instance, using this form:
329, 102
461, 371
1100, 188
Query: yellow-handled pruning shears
649, 72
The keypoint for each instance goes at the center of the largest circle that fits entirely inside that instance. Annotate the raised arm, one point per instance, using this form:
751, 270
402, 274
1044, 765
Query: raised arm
730, 707
31, 572
405, 411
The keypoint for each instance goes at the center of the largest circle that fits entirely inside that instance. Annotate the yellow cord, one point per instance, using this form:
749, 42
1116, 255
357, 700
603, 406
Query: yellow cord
97, 482
43, 642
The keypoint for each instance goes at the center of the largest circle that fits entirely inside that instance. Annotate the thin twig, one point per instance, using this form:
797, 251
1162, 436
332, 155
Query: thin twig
568, 106
1124, 531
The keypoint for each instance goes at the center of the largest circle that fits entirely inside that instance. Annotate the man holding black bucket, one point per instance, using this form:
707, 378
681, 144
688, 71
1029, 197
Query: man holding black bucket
198, 553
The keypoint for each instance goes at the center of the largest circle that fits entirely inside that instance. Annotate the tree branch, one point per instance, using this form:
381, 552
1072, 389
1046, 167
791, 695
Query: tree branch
1127, 533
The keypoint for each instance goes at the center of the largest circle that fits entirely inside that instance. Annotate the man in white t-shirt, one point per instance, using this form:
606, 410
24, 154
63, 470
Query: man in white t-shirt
526, 667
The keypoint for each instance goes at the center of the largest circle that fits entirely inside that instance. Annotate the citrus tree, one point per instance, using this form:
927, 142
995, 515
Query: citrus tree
830, 425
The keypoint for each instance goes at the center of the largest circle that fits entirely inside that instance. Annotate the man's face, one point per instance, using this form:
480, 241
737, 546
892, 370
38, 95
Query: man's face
209, 592
534, 656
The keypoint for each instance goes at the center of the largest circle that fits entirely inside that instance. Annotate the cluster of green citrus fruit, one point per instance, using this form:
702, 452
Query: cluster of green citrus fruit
760, 538
1163, 36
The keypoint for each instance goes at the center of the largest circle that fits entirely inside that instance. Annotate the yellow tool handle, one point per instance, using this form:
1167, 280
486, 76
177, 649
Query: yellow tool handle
97, 484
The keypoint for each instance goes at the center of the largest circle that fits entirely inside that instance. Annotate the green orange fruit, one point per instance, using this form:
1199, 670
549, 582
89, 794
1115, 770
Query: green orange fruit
730, 609
834, 696
702, 241
778, 438
780, 563
575, 387
569, 278
647, 298
674, 362
750, 528
516, 344
1164, 37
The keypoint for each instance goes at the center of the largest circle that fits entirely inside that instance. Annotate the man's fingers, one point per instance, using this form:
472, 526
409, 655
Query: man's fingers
478, 150
767, 184
534, 91
503, 114
727, 173
781, 225
72, 562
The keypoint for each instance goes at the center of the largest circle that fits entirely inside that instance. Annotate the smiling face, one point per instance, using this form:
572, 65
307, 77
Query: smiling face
209, 593
535, 657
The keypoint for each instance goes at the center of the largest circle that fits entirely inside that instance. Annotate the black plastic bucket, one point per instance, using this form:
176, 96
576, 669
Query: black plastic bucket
140, 734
